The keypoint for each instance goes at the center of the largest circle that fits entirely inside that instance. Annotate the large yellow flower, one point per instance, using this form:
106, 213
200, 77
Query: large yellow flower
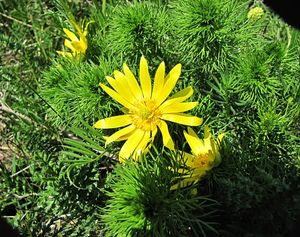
77, 45
205, 155
146, 108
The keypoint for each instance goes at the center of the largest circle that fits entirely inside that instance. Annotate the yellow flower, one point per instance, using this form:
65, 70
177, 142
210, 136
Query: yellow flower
205, 155
77, 45
255, 13
147, 108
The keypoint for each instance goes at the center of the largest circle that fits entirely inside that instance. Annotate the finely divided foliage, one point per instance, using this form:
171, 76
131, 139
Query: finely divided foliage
149, 118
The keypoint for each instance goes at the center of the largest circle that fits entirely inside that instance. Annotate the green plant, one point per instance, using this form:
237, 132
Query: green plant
140, 202
73, 93
209, 34
57, 177
137, 29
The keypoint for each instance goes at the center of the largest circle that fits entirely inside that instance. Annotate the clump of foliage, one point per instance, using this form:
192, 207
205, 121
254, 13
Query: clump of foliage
141, 202
138, 29
209, 34
72, 92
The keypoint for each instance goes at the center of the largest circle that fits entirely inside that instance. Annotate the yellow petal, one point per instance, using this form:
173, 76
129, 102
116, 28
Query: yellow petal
76, 26
112, 82
122, 79
220, 137
178, 107
141, 147
121, 133
79, 46
70, 35
153, 133
200, 172
83, 39
167, 139
209, 143
195, 143
117, 97
188, 159
189, 175
192, 132
178, 97
211, 146
217, 159
184, 119
65, 54
207, 133
184, 183
133, 84
183, 94
182, 170
86, 27
131, 144
120, 88
69, 45
145, 78
159, 80
125, 137
113, 122
170, 83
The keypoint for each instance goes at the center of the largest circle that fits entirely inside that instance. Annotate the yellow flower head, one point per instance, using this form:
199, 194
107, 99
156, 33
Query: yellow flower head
255, 13
147, 108
77, 45
205, 155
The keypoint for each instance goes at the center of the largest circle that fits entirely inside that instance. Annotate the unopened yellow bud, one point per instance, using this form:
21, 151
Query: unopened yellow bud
255, 13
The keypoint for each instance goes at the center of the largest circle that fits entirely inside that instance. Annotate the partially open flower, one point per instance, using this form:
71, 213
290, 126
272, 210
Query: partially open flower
205, 155
76, 43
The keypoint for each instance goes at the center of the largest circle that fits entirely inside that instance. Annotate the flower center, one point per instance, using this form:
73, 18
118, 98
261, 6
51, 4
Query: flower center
202, 161
145, 113
146, 116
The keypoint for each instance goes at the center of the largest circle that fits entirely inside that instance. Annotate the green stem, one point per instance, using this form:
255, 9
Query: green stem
104, 7
288, 36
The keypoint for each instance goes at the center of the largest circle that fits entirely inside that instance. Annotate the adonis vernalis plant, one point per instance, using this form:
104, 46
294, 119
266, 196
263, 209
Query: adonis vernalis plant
146, 108
241, 63
205, 155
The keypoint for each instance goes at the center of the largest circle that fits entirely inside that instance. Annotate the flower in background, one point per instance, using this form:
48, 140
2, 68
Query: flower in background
76, 43
146, 108
255, 13
205, 155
